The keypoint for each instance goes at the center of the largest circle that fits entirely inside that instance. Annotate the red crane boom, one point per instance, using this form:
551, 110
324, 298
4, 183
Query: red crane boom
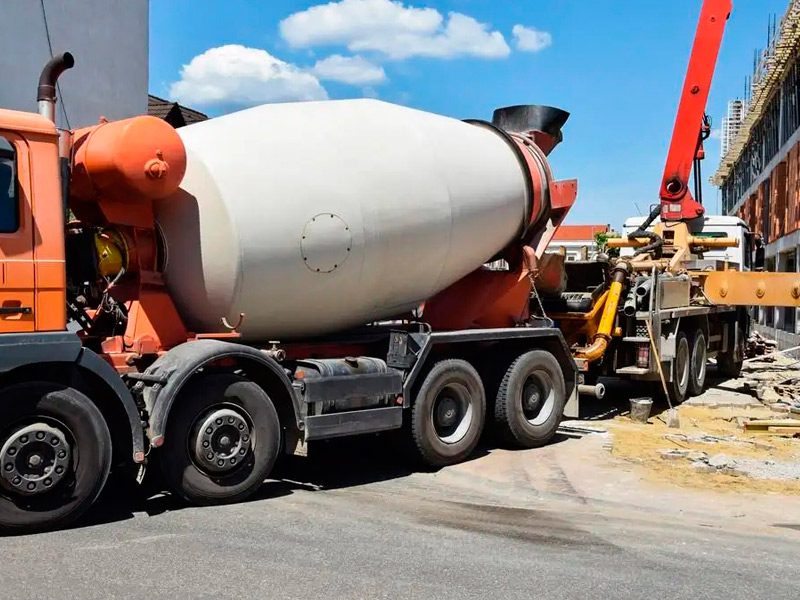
691, 126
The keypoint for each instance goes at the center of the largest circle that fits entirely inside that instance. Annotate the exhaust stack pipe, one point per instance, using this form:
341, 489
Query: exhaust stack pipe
46, 92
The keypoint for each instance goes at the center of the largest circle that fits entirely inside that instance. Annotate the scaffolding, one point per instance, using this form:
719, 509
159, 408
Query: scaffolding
772, 111
731, 124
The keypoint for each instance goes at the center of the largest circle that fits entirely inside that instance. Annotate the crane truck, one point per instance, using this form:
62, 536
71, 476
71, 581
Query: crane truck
208, 298
680, 291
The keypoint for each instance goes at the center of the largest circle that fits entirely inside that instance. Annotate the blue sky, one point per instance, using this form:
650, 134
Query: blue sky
617, 66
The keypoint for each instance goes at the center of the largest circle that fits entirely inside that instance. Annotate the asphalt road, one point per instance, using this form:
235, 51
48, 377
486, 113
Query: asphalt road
357, 523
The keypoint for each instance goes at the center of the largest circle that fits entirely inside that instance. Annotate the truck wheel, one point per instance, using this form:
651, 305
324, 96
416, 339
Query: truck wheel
55, 456
728, 366
679, 384
221, 441
449, 413
530, 401
698, 363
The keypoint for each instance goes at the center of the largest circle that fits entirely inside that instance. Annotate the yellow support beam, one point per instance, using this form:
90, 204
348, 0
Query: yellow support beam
693, 241
755, 288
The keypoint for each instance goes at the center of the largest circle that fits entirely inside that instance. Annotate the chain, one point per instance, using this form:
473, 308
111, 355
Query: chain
543, 316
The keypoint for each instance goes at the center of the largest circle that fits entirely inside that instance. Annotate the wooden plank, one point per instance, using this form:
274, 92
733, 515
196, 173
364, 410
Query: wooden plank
765, 424
785, 430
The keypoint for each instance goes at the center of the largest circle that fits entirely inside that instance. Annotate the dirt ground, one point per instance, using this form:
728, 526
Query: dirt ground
711, 427
644, 444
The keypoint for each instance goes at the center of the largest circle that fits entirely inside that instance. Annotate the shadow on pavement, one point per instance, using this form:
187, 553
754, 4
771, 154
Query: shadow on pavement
331, 464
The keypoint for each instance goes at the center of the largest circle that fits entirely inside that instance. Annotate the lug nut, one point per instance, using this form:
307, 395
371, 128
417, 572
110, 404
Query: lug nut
245, 437
17, 480
241, 426
242, 451
59, 469
205, 444
220, 462
231, 419
210, 456
9, 467
24, 439
233, 460
219, 421
62, 454
55, 441
48, 482
12, 451
209, 430
40, 435
31, 486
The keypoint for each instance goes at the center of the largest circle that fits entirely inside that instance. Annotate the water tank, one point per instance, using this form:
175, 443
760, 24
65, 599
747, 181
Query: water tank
313, 217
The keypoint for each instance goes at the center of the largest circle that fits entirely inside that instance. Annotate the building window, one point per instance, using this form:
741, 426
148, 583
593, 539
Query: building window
9, 190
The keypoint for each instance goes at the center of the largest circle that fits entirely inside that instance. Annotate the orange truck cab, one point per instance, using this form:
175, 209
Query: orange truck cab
32, 266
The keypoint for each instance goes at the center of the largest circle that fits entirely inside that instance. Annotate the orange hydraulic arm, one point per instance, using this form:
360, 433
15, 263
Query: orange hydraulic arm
691, 125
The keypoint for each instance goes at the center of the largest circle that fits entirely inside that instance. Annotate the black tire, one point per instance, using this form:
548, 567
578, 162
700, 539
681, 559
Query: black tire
194, 480
698, 363
83, 470
728, 366
679, 383
449, 413
530, 400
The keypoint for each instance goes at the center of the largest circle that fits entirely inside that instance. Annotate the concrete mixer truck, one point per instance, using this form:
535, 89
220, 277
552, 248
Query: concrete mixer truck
205, 299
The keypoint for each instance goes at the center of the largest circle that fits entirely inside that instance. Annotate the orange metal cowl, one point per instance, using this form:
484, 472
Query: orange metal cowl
141, 158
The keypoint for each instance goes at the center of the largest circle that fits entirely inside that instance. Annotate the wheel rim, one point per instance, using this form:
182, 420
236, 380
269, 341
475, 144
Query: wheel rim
537, 398
452, 413
682, 365
222, 438
34, 459
699, 360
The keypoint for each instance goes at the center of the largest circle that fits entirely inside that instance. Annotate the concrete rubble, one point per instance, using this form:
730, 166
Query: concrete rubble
758, 345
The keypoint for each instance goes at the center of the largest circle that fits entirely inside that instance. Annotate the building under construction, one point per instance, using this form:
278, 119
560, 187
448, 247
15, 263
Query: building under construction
759, 172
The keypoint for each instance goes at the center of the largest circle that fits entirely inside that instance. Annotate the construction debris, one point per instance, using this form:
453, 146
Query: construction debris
713, 450
748, 467
785, 427
705, 438
758, 345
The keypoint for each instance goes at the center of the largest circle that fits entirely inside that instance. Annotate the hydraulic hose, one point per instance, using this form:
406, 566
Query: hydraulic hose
656, 241
601, 339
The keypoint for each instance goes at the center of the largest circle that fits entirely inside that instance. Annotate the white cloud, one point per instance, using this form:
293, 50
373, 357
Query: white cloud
235, 76
530, 39
354, 70
716, 133
393, 29
370, 92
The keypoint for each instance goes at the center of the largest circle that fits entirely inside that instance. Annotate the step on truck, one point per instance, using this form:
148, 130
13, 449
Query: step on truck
201, 300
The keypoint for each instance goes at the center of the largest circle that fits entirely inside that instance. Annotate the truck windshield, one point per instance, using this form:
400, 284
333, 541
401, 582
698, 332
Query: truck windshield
9, 209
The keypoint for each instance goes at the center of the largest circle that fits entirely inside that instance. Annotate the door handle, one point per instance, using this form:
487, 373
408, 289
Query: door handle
15, 310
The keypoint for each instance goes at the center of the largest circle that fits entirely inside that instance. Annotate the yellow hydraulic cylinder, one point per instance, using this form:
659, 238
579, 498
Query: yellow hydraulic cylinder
599, 344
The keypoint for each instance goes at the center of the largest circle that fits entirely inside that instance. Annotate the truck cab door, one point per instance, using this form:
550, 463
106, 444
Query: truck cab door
17, 280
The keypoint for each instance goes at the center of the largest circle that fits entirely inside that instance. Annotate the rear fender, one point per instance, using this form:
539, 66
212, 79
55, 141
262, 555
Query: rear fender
163, 380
